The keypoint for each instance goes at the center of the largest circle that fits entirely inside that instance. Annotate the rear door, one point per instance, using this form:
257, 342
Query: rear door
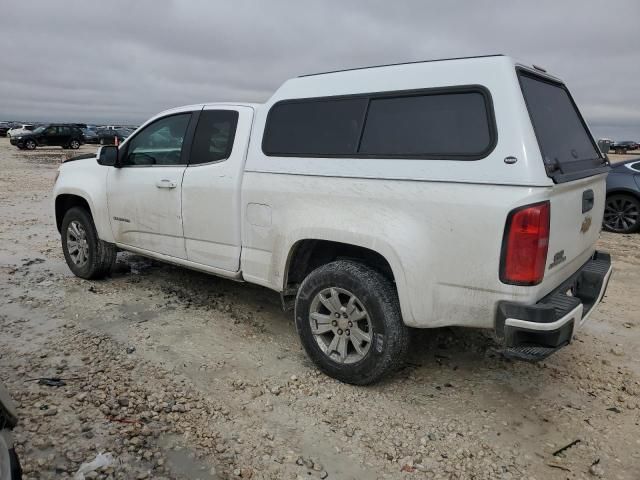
212, 184
572, 159
64, 136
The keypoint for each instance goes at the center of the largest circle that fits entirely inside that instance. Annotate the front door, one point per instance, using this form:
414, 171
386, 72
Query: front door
144, 196
48, 137
212, 185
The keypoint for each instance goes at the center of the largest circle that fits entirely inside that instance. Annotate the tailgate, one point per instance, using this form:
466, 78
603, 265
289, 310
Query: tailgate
577, 209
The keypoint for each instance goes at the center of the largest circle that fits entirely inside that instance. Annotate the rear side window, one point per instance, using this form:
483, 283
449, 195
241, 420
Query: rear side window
315, 127
568, 151
214, 136
427, 125
452, 123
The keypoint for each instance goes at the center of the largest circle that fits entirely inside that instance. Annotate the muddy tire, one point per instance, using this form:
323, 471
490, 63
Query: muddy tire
87, 256
349, 322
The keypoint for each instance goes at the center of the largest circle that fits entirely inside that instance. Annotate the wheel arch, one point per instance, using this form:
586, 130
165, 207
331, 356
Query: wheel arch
624, 191
308, 253
64, 202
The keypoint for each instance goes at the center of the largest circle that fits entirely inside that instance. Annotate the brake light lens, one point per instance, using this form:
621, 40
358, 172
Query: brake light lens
525, 245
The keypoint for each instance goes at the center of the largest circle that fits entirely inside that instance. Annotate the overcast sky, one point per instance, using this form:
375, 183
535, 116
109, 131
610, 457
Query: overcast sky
122, 61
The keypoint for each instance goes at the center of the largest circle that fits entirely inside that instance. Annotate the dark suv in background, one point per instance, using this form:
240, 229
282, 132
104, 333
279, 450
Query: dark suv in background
624, 147
52, 135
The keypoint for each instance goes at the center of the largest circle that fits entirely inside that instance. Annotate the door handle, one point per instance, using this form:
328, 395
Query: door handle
166, 183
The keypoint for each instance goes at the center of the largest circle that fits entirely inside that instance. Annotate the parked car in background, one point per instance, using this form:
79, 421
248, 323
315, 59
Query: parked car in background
51, 135
622, 209
624, 146
4, 128
9, 464
90, 136
25, 128
107, 136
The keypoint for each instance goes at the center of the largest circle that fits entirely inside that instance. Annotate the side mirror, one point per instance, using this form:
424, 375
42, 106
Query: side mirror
108, 156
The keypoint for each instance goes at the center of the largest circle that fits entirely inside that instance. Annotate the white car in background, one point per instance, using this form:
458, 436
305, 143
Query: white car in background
22, 129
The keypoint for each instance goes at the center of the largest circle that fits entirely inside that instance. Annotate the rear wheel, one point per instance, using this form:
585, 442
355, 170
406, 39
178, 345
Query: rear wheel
622, 214
87, 256
102, 141
30, 145
349, 322
74, 144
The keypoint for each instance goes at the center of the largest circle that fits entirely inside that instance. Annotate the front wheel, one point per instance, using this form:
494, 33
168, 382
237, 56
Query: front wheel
87, 256
349, 322
622, 214
30, 145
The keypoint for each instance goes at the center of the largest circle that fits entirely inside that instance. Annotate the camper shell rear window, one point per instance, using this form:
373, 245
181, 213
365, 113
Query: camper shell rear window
568, 149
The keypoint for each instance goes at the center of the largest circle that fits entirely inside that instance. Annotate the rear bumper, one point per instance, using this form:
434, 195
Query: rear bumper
533, 332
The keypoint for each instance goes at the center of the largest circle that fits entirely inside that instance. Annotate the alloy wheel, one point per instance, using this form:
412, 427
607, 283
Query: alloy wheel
340, 325
77, 244
621, 214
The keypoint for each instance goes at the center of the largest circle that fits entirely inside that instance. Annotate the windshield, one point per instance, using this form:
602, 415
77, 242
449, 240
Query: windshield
39, 130
565, 143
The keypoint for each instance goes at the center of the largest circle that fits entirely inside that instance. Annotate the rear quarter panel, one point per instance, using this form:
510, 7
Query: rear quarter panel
442, 240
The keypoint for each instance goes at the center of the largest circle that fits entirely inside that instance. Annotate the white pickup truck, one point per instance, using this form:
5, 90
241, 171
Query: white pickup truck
462, 192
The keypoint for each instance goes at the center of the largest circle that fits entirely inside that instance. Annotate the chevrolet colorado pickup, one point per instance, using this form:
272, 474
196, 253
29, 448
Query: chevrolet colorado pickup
463, 192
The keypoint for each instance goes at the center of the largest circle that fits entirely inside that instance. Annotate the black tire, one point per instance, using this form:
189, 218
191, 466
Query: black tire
30, 144
101, 255
74, 145
622, 214
378, 296
14, 462
102, 141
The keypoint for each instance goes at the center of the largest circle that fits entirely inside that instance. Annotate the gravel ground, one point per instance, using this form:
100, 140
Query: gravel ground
184, 375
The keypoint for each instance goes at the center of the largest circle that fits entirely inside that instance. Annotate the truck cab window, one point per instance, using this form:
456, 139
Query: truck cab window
159, 143
214, 136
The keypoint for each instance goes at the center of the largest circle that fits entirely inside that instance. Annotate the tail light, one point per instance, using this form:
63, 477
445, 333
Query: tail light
525, 245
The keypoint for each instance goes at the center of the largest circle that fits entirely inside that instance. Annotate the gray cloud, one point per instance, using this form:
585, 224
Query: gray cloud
122, 61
